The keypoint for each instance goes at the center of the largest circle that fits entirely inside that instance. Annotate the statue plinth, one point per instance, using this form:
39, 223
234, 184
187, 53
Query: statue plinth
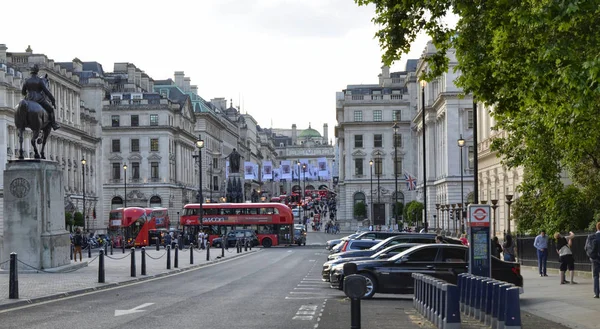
34, 215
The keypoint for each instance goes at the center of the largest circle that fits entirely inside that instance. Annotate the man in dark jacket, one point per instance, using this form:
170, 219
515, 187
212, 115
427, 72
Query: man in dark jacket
596, 264
35, 89
77, 242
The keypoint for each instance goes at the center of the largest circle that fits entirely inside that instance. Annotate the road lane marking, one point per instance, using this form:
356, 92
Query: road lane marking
136, 309
306, 312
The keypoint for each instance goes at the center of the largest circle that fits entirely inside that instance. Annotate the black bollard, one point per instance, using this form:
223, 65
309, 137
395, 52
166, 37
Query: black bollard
191, 254
168, 257
245, 245
143, 260
224, 241
105, 248
89, 250
180, 243
176, 262
133, 263
157, 244
207, 251
72, 251
111, 248
101, 267
223, 246
123, 245
13, 285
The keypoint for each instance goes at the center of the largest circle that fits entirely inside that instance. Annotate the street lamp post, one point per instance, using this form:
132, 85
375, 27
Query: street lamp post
83, 162
494, 206
461, 144
200, 145
509, 201
301, 199
395, 126
125, 185
304, 181
423, 83
371, 210
210, 171
437, 212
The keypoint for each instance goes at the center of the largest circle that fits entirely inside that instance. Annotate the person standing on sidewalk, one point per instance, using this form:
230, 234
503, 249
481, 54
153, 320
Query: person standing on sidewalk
541, 244
508, 247
77, 242
596, 262
565, 256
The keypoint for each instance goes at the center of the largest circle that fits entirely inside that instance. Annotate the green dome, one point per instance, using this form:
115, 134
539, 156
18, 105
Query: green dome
309, 133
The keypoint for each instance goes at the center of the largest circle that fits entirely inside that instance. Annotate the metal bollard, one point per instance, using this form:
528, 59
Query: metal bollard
143, 261
477, 298
245, 244
483, 295
191, 254
495, 301
512, 319
452, 319
176, 261
168, 257
89, 250
111, 248
72, 247
123, 245
13, 285
133, 262
157, 244
462, 278
106, 248
502, 305
207, 251
101, 267
489, 289
223, 246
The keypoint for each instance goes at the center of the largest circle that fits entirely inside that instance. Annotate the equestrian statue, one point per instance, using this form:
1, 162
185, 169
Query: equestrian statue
34, 112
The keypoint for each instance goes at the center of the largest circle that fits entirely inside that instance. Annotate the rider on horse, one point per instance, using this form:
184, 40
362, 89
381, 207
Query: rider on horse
34, 89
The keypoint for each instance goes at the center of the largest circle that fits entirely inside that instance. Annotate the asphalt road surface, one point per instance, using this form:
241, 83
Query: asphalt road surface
274, 288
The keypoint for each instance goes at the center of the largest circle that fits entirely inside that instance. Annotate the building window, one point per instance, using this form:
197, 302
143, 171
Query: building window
357, 116
215, 163
135, 170
115, 120
358, 167
397, 115
116, 170
358, 141
116, 145
378, 166
470, 156
377, 115
398, 168
135, 120
154, 170
398, 140
469, 119
154, 119
378, 140
135, 145
154, 145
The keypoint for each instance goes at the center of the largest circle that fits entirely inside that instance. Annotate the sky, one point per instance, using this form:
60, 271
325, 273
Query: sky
282, 61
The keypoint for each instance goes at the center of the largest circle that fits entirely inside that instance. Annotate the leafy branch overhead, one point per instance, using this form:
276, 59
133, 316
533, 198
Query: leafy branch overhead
536, 62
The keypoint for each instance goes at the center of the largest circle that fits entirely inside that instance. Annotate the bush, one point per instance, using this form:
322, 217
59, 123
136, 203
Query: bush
360, 210
78, 219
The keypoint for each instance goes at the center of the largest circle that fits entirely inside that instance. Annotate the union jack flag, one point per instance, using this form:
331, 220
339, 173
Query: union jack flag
411, 182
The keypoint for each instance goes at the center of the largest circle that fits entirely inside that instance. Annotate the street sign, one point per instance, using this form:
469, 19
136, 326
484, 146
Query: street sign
480, 261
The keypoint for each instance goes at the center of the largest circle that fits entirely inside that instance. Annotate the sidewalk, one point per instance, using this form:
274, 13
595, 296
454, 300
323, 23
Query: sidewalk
34, 287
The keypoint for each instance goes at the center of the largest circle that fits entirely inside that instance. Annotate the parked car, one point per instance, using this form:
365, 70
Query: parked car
354, 245
385, 253
443, 261
235, 235
300, 236
331, 243
403, 237
296, 212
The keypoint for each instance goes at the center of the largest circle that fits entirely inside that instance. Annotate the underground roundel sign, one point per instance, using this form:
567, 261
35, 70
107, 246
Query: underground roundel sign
479, 215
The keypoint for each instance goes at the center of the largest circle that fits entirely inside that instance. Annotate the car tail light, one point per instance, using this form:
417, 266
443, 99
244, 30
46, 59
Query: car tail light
516, 270
344, 246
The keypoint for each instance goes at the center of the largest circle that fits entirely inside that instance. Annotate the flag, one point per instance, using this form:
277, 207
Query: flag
411, 182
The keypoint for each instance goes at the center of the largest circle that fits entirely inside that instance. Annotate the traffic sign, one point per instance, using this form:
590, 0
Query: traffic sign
479, 215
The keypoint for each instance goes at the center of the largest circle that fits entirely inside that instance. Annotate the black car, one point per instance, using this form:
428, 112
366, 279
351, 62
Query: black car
387, 252
235, 235
332, 243
300, 237
443, 261
403, 237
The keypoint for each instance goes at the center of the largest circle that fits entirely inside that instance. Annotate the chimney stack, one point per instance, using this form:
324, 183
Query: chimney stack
186, 84
179, 79
325, 134
294, 134
3, 49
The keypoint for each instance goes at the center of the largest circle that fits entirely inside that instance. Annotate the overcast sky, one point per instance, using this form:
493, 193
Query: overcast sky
281, 60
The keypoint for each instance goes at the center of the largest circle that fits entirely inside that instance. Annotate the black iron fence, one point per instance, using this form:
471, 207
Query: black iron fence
527, 254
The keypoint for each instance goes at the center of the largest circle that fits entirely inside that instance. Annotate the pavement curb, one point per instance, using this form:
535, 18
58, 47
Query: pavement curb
23, 302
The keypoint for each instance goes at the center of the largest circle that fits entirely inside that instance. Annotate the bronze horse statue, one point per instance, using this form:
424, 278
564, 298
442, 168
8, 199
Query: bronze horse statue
30, 114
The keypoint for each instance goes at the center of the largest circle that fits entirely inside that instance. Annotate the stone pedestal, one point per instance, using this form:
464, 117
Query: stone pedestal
34, 215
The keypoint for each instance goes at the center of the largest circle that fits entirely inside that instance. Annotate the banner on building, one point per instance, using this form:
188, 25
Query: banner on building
322, 163
286, 170
267, 170
314, 173
227, 170
276, 174
249, 170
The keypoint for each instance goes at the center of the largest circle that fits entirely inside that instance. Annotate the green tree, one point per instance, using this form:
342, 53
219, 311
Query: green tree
413, 213
69, 221
537, 63
398, 210
360, 210
78, 219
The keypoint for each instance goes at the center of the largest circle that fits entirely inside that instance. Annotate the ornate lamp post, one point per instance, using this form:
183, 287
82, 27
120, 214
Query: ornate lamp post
371, 210
494, 206
200, 145
395, 127
509, 201
210, 171
423, 83
453, 215
125, 185
301, 199
83, 162
459, 219
461, 144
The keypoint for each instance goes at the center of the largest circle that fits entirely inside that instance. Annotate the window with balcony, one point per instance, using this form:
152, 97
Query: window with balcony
378, 140
358, 116
116, 145
377, 115
154, 170
154, 119
135, 170
154, 145
116, 170
135, 145
135, 120
358, 141
358, 167
115, 120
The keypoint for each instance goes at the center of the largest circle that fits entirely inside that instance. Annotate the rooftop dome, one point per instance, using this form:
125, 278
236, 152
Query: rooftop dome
309, 133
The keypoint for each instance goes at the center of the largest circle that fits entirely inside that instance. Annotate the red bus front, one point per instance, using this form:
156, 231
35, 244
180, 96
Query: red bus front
135, 227
272, 222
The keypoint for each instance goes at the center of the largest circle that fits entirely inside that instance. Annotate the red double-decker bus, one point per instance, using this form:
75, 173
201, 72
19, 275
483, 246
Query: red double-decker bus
134, 223
272, 222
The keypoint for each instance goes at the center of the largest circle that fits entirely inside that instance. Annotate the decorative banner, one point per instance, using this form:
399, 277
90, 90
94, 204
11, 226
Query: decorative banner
286, 169
305, 167
249, 171
322, 162
267, 170
314, 173
257, 172
276, 174
227, 169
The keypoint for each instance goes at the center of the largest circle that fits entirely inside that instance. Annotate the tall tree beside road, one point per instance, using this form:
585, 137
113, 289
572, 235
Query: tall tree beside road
535, 61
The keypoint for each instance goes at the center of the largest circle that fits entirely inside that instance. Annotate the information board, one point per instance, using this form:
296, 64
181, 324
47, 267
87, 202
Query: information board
480, 240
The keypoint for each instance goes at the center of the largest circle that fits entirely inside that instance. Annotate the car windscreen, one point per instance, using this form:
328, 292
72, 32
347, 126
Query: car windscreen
379, 245
393, 249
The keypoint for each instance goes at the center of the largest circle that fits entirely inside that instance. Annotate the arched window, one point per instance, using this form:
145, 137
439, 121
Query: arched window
360, 206
359, 197
116, 202
155, 201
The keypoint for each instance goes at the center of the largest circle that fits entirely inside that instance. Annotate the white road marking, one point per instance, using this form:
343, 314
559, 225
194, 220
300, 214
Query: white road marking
133, 310
306, 312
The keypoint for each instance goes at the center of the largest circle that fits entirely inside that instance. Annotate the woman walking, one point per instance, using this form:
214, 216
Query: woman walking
509, 248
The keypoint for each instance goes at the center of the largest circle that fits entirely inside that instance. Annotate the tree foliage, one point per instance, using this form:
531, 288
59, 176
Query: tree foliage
69, 221
536, 62
78, 219
413, 213
360, 210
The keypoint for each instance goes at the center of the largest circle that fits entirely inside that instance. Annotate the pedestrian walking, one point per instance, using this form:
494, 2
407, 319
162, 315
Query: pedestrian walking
496, 247
592, 249
565, 256
463, 239
77, 242
541, 244
508, 247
